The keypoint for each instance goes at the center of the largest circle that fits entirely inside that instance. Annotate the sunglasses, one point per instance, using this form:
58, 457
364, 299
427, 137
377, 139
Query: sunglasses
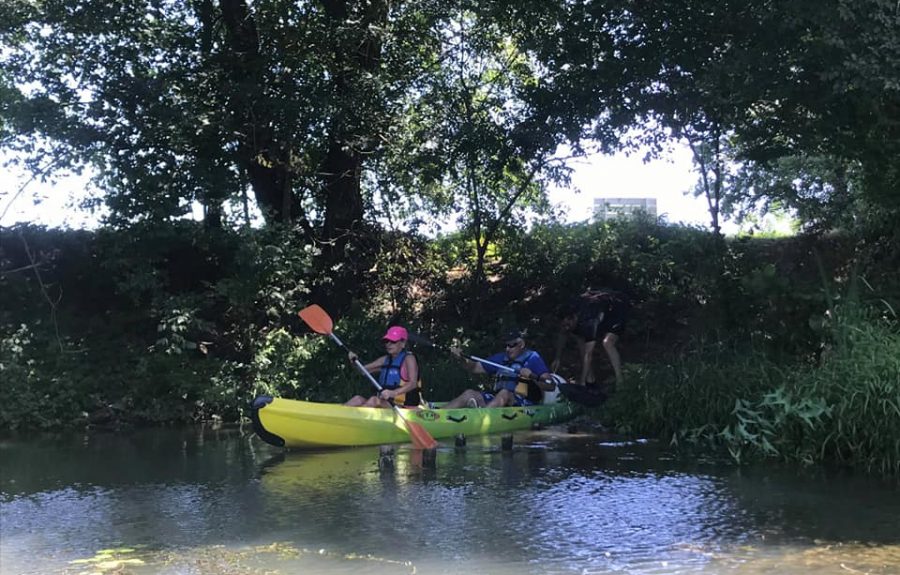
513, 344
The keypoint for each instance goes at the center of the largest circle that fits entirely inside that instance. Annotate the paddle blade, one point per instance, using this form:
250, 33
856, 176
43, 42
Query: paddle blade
421, 439
317, 319
581, 394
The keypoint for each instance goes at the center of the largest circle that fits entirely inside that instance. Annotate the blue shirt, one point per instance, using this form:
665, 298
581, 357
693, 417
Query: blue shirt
535, 363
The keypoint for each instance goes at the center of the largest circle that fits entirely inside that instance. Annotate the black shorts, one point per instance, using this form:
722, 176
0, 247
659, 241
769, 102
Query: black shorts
613, 321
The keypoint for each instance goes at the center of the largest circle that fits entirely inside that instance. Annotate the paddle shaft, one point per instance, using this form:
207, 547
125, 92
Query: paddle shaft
505, 368
358, 364
500, 366
427, 342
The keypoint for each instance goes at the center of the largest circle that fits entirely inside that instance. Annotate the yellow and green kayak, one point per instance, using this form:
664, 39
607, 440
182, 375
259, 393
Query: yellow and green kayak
305, 425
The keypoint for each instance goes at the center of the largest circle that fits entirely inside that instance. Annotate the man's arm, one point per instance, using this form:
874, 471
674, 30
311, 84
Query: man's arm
475, 367
471, 366
537, 369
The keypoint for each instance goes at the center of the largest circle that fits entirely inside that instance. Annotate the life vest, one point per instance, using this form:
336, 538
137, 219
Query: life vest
511, 381
389, 378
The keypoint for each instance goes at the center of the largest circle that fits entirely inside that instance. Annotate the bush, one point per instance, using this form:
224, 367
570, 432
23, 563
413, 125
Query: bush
843, 410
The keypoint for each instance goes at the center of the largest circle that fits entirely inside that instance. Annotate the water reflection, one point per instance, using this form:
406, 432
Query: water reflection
205, 501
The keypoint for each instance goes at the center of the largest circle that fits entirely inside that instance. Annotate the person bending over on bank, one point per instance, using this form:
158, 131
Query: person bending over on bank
398, 373
595, 314
523, 384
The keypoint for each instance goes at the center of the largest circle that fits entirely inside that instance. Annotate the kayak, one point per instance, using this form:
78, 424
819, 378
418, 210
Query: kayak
305, 425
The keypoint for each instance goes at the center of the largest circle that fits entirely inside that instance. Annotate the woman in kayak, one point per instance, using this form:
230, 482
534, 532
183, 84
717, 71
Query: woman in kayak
398, 373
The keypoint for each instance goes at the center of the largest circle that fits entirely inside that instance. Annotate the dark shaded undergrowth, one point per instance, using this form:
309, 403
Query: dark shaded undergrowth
738, 345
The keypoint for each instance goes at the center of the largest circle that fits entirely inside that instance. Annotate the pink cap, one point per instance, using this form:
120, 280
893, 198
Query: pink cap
395, 333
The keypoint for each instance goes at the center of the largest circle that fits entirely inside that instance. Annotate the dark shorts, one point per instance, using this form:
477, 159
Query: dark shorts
519, 400
613, 321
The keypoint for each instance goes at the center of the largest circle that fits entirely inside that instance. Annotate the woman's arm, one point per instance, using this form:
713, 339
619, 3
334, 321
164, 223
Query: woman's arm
412, 372
372, 366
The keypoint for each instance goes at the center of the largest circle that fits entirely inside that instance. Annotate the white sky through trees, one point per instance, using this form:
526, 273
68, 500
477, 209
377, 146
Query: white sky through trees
667, 179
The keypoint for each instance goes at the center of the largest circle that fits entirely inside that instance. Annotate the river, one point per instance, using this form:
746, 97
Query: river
205, 500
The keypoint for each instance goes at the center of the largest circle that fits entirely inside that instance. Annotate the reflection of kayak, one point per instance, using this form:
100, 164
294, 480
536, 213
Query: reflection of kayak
291, 423
323, 469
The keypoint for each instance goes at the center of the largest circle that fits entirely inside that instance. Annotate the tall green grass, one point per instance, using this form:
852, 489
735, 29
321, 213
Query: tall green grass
842, 409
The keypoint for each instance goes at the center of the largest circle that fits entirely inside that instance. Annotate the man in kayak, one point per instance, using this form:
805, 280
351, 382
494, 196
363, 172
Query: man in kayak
520, 383
398, 373
595, 314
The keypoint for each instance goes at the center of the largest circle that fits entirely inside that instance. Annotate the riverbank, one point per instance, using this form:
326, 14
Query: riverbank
758, 347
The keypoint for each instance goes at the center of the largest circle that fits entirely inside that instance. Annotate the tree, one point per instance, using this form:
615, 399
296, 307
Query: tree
176, 103
472, 146
772, 79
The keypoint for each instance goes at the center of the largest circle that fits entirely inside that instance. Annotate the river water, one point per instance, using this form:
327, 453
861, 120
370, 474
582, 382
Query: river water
219, 501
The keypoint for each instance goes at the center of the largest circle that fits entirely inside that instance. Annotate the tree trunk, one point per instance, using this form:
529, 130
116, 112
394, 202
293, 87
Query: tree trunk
343, 222
264, 159
267, 161
341, 170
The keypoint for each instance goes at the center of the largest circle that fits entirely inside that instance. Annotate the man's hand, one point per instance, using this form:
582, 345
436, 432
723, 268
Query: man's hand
547, 383
526, 373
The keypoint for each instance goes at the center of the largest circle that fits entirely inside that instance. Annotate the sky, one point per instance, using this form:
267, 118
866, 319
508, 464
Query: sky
619, 176
51, 204
666, 179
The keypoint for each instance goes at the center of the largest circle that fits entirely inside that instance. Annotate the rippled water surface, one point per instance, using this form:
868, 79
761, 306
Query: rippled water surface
204, 501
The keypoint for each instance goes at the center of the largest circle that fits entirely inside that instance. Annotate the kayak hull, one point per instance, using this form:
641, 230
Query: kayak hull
308, 425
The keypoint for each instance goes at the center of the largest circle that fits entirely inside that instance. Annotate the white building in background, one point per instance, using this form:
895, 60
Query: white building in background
611, 208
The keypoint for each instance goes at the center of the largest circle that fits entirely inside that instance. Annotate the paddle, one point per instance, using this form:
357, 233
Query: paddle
581, 394
549, 396
420, 340
320, 322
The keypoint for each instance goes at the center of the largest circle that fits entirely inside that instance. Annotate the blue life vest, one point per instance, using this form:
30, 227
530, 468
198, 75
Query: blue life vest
389, 376
506, 380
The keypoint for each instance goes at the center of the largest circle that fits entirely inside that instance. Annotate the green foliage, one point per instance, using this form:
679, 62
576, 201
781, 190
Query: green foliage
209, 321
860, 378
665, 270
845, 409
27, 397
154, 324
409, 273
174, 330
471, 147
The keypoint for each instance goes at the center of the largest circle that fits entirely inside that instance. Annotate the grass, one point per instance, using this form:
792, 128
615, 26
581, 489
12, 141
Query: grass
844, 409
